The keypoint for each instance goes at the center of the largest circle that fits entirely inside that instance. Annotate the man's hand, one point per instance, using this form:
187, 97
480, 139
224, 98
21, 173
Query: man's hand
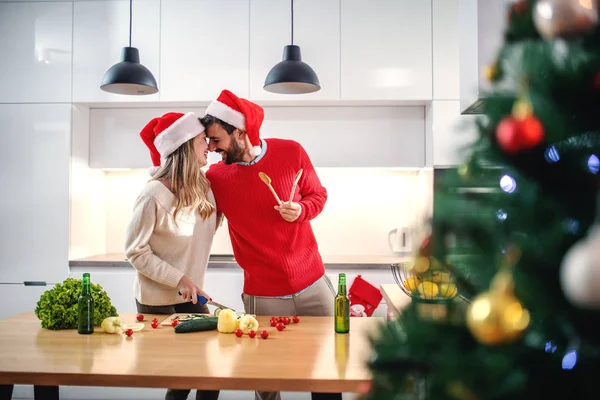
289, 211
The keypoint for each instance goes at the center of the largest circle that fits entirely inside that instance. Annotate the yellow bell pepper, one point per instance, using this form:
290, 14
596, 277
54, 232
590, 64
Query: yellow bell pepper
112, 325
227, 322
248, 323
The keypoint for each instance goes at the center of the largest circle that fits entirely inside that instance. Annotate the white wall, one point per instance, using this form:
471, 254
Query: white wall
363, 206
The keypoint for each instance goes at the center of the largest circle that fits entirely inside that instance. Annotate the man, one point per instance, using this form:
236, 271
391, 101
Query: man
273, 243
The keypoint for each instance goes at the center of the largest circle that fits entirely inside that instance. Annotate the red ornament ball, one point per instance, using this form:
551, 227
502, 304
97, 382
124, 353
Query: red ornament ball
515, 135
532, 131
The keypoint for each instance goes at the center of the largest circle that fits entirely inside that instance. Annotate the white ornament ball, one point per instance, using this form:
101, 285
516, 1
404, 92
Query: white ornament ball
580, 272
565, 18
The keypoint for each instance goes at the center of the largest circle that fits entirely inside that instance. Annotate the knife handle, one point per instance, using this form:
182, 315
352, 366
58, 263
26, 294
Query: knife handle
201, 299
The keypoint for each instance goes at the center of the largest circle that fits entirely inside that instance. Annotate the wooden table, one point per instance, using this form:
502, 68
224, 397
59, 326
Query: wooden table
307, 356
395, 299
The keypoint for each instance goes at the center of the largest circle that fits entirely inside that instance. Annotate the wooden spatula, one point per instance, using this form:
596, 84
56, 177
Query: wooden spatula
298, 175
265, 178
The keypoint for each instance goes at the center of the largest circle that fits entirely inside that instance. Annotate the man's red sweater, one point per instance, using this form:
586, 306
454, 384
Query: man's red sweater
278, 257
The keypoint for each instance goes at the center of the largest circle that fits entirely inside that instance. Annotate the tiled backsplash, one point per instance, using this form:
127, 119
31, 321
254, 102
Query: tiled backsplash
363, 205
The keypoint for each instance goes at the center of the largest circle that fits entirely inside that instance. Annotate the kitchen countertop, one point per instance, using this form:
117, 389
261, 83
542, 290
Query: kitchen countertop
227, 261
395, 298
308, 356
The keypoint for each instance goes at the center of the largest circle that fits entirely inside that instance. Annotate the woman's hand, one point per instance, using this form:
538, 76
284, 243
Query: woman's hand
190, 291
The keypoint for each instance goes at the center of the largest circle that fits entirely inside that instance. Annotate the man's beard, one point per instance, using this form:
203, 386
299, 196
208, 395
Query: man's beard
234, 154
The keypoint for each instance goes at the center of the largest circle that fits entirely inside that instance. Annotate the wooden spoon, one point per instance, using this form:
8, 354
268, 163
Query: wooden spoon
265, 178
298, 175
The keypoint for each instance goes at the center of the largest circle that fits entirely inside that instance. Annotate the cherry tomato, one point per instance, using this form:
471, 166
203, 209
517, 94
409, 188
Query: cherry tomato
154, 324
296, 319
140, 317
251, 334
286, 320
154, 319
239, 332
280, 326
273, 322
264, 334
129, 332
174, 323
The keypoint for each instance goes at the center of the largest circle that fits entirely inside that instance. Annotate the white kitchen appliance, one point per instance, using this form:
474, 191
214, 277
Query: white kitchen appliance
399, 240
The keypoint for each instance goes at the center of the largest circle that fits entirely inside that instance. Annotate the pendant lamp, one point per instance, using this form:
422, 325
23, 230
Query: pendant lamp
292, 75
129, 77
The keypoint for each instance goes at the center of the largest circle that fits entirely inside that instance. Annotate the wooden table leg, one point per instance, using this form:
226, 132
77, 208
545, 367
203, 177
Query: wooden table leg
6, 392
45, 392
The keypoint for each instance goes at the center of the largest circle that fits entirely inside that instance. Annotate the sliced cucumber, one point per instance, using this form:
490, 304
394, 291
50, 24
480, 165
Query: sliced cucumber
190, 317
217, 311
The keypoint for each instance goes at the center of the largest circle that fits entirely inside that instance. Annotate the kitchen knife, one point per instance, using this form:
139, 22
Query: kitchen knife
203, 300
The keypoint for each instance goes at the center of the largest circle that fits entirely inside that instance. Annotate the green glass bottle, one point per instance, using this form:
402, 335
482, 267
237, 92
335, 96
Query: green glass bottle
85, 308
342, 307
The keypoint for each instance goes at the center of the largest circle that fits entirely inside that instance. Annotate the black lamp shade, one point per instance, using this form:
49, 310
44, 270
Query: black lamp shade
129, 76
292, 76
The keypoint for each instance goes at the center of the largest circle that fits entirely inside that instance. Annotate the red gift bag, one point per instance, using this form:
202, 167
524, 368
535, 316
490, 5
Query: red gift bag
364, 298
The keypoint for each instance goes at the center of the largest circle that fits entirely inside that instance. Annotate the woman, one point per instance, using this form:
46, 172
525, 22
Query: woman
173, 224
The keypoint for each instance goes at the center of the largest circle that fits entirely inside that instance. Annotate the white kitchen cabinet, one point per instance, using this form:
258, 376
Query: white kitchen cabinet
451, 131
101, 30
352, 136
18, 298
35, 43
115, 136
35, 203
386, 136
316, 31
445, 47
204, 49
386, 50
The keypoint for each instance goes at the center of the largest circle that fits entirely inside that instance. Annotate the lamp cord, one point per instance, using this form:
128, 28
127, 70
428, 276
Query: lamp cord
130, 19
292, 22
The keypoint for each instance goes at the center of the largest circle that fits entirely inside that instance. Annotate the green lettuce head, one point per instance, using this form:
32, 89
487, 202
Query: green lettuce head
57, 307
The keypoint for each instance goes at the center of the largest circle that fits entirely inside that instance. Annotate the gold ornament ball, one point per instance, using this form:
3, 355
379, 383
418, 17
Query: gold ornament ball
495, 318
490, 72
565, 18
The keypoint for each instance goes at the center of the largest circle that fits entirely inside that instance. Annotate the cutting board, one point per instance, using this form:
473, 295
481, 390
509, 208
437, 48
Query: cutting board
169, 319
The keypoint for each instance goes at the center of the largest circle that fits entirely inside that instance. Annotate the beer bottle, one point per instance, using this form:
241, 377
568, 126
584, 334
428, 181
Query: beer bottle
342, 307
85, 307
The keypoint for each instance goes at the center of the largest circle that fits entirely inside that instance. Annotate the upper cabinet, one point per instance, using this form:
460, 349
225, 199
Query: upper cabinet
101, 30
35, 41
204, 49
445, 48
386, 50
361, 50
396, 132
316, 31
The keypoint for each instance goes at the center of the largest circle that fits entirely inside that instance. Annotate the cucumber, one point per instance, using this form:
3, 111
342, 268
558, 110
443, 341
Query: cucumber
197, 325
217, 312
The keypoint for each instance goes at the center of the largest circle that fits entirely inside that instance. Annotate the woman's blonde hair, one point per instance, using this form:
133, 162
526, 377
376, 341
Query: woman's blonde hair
188, 182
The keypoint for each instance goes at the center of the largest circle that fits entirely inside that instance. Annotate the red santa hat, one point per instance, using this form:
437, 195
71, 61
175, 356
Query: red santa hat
241, 113
165, 134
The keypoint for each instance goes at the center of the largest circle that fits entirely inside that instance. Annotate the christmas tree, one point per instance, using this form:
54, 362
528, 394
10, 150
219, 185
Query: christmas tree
515, 231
